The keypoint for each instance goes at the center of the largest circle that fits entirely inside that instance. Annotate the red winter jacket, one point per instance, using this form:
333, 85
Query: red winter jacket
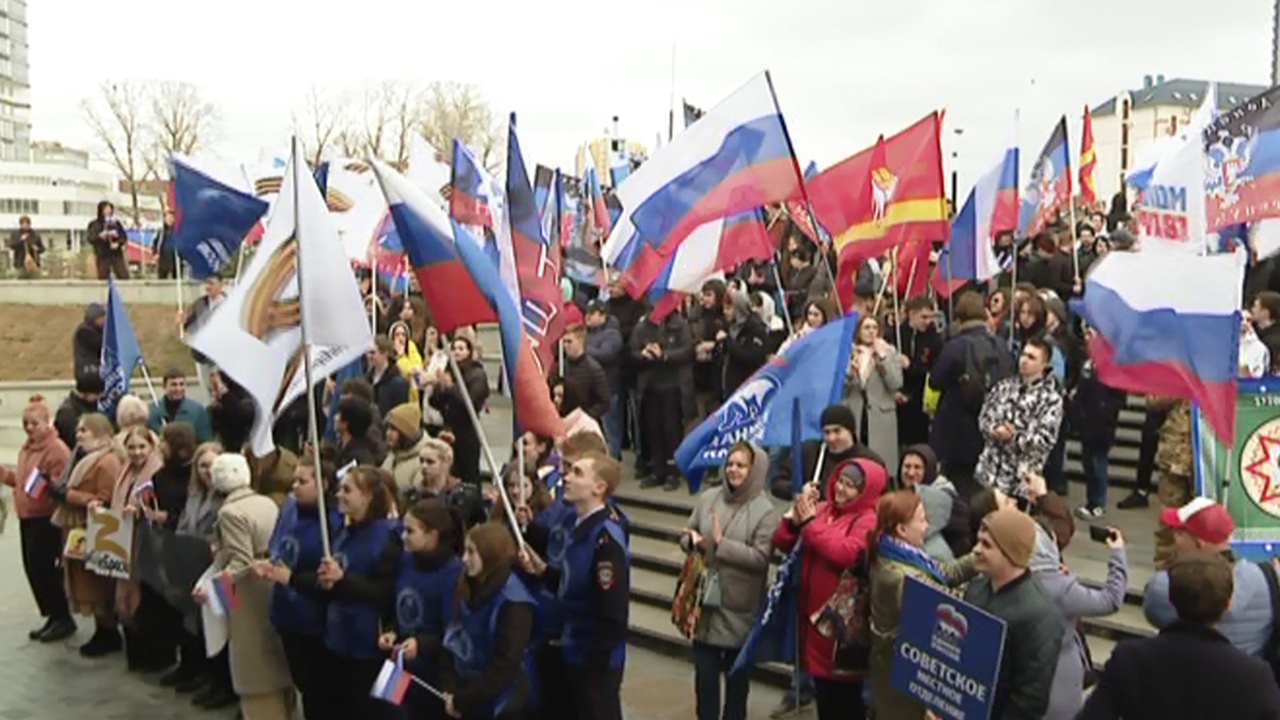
833, 540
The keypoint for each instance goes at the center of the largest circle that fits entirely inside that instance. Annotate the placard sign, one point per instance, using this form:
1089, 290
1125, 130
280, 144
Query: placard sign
109, 544
947, 655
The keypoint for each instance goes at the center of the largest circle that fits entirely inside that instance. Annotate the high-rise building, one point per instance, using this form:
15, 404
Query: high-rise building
15, 83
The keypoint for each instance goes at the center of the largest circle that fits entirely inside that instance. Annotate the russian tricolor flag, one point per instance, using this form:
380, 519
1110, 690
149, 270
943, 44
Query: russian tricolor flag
712, 249
736, 158
1050, 185
990, 209
599, 210
35, 484
221, 593
1153, 336
391, 684
472, 290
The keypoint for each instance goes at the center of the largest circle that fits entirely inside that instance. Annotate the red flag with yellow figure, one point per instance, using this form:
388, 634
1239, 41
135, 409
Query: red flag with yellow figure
887, 195
1088, 159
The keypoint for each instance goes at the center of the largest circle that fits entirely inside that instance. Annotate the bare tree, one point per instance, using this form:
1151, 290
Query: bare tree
321, 123
118, 119
458, 110
181, 121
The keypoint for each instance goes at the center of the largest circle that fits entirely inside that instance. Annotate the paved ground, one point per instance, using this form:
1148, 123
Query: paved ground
52, 682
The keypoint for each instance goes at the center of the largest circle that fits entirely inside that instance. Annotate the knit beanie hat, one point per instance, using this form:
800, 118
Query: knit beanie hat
406, 419
1014, 532
230, 472
840, 415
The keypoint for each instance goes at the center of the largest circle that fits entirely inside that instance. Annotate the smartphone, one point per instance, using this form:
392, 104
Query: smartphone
1099, 534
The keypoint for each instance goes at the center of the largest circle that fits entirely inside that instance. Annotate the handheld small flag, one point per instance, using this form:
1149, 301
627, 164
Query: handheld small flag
392, 682
147, 491
35, 484
221, 591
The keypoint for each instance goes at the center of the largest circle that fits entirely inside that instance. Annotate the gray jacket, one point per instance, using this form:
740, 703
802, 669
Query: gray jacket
938, 499
1075, 600
1247, 623
747, 519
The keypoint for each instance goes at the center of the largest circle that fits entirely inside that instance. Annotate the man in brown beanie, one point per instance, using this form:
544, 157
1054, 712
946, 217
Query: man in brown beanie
1034, 626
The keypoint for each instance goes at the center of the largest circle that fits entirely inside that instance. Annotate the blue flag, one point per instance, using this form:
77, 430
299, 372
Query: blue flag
773, 637
210, 219
322, 180
120, 352
811, 370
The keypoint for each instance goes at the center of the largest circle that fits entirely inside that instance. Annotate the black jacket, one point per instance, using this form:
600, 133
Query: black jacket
781, 483
86, 349
389, 390
68, 414
585, 386
741, 354
513, 632
1184, 672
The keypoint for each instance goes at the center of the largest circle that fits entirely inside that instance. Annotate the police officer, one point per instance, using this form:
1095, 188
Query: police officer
592, 579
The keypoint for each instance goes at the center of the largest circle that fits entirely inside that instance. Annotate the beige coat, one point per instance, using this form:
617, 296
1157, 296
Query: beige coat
406, 465
873, 385
741, 558
258, 664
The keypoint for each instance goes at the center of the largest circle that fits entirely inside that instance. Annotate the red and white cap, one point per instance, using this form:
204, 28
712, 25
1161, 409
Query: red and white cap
1205, 519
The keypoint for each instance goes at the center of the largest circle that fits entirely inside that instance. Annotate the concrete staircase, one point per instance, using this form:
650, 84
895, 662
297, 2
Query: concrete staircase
657, 517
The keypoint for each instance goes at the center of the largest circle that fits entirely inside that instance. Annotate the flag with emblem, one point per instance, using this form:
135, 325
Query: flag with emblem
1242, 163
887, 195
1088, 160
1050, 187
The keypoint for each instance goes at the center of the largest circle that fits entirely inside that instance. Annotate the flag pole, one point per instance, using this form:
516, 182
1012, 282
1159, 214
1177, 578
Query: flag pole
151, 388
461, 384
373, 292
313, 428
897, 308
786, 311
177, 286
1075, 251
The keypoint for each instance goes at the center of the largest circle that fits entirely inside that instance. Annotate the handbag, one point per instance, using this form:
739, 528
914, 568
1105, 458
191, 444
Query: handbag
845, 618
686, 604
711, 593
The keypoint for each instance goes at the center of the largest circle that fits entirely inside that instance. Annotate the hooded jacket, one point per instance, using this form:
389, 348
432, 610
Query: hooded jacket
744, 347
741, 558
1076, 601
45, 452
834, 540
948, 514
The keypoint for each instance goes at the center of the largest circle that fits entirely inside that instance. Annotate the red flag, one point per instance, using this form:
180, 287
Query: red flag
1088, 159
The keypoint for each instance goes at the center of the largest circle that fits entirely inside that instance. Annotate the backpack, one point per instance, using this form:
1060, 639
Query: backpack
1271, 651
984, 366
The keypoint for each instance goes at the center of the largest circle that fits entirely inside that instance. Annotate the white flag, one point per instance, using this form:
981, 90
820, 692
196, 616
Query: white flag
255, 335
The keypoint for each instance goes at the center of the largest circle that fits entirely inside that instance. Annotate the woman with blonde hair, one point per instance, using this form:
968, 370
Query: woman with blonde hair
87, 487
134, 488
42, 460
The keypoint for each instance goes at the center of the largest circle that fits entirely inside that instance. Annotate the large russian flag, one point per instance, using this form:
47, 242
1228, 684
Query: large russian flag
1050, 186
736, 158
1153, 336
422, 224
428, 240
991, 208
712, 249
1242, 168
537, 256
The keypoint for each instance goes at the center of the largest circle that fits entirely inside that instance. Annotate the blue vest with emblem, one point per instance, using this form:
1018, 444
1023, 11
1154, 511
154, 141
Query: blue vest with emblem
469, 639
424, 600
351, 627
558, 517
577, 579
296, 544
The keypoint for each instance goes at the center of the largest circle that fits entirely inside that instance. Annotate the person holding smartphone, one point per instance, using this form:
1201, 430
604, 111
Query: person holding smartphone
108, 238
1075, 600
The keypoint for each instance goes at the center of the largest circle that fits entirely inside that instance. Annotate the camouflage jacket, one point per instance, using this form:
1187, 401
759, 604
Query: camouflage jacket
1174, 453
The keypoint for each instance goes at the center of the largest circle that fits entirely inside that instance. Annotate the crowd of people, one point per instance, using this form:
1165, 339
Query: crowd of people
944, 462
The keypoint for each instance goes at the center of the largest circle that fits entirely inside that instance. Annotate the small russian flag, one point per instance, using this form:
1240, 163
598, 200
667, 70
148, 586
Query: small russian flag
221, 591
147, 490
35, 484
392, 683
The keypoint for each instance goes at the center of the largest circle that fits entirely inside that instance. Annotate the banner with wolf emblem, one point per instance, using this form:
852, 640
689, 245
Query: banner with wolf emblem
255, 335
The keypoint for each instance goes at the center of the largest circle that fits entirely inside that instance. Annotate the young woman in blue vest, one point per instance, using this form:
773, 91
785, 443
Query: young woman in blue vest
297, 602
360, 583
592, 579
425, 586
490, 637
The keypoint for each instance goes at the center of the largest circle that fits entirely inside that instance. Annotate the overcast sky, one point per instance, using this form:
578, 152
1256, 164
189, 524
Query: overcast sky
844, 70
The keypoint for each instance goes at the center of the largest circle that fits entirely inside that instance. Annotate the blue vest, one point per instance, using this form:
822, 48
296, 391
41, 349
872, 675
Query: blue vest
351, 627
424, 601
577, 590
296, 544
469, 638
